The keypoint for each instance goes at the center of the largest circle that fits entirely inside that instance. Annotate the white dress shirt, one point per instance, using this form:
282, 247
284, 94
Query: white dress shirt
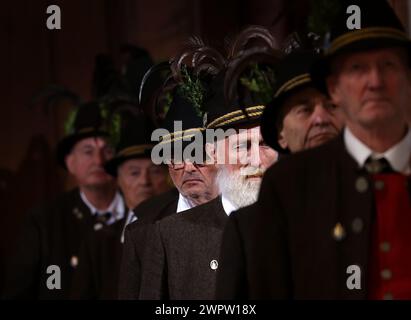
183, 204
228, 206
398, 155
131, 217
116, 207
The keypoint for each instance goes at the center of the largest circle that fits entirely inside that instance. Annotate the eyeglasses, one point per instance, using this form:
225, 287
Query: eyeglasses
178, 164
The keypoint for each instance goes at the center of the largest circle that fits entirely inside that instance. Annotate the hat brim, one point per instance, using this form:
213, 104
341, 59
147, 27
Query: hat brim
269, 126
321, 68
272, 114
65, 146
112, 165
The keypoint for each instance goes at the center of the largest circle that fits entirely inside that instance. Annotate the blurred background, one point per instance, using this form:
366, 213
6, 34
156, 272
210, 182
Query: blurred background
33, 58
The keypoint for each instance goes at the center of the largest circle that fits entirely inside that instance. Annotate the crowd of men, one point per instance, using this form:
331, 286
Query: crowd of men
301, 193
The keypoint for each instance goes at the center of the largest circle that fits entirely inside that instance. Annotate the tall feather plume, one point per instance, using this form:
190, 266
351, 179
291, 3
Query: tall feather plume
251, 36
251, 66
155, 92
308, 41
52, 95
190, 69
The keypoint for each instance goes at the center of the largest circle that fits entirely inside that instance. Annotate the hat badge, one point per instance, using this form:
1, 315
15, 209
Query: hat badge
214, 264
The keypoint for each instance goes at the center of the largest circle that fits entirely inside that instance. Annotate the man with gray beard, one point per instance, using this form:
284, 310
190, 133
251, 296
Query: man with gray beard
299, 118
239, 182
182, 257
182, 260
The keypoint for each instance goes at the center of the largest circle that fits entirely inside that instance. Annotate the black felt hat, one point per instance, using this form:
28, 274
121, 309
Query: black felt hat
292, 75
133, 131
190, 117
88, 120
380, 28
238, 95
168, 103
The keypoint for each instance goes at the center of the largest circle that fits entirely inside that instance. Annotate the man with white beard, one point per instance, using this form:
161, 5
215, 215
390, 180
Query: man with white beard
182, 260
182, 256
239, 183
300, 117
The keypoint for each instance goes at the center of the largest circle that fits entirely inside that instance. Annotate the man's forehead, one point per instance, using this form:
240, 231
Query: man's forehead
137, 164
366, 55
91, 142
306, 93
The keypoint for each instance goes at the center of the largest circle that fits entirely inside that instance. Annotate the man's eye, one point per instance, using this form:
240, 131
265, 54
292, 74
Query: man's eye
156, 170
389, 63
88, 152
329, 105
304, 109
135, 173
356, 67
109, 151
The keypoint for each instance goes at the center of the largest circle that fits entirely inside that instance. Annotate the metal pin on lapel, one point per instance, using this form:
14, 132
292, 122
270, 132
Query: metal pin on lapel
213, 264
77, 213
338, 232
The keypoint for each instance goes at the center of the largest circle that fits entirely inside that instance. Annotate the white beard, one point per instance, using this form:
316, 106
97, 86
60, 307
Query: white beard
236, 188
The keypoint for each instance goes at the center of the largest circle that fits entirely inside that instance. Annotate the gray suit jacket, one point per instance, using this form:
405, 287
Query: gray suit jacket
181, 260
135, 242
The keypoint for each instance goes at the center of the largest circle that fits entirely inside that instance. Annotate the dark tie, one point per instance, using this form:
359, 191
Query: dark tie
375, 166
101, 219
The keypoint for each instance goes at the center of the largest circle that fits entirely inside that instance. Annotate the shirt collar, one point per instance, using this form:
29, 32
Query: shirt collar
116, 207
227, 205
131, 217
183, 204
398, 155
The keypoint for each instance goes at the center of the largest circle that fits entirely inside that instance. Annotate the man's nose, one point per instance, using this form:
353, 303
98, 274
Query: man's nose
375, 77
254, 155
321, 115
145, 178
99, 157
189, 166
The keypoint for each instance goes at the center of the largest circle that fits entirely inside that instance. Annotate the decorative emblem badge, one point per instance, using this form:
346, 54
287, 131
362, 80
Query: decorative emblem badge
214, 264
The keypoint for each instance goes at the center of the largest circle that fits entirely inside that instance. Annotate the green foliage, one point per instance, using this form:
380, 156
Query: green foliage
69, 124
168, 99
114, 129
260, 82
104, 112
192, 89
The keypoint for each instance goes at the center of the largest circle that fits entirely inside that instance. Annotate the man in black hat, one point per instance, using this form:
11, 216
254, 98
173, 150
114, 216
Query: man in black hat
138, 179
195, 184
300, 117
182, 257
332, 220
48, 251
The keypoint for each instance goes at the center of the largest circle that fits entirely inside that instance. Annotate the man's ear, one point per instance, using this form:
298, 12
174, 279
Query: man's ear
331, 82
70, 162
282, 141
211, 152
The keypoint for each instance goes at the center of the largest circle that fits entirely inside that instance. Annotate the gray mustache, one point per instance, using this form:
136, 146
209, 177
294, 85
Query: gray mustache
251, 171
